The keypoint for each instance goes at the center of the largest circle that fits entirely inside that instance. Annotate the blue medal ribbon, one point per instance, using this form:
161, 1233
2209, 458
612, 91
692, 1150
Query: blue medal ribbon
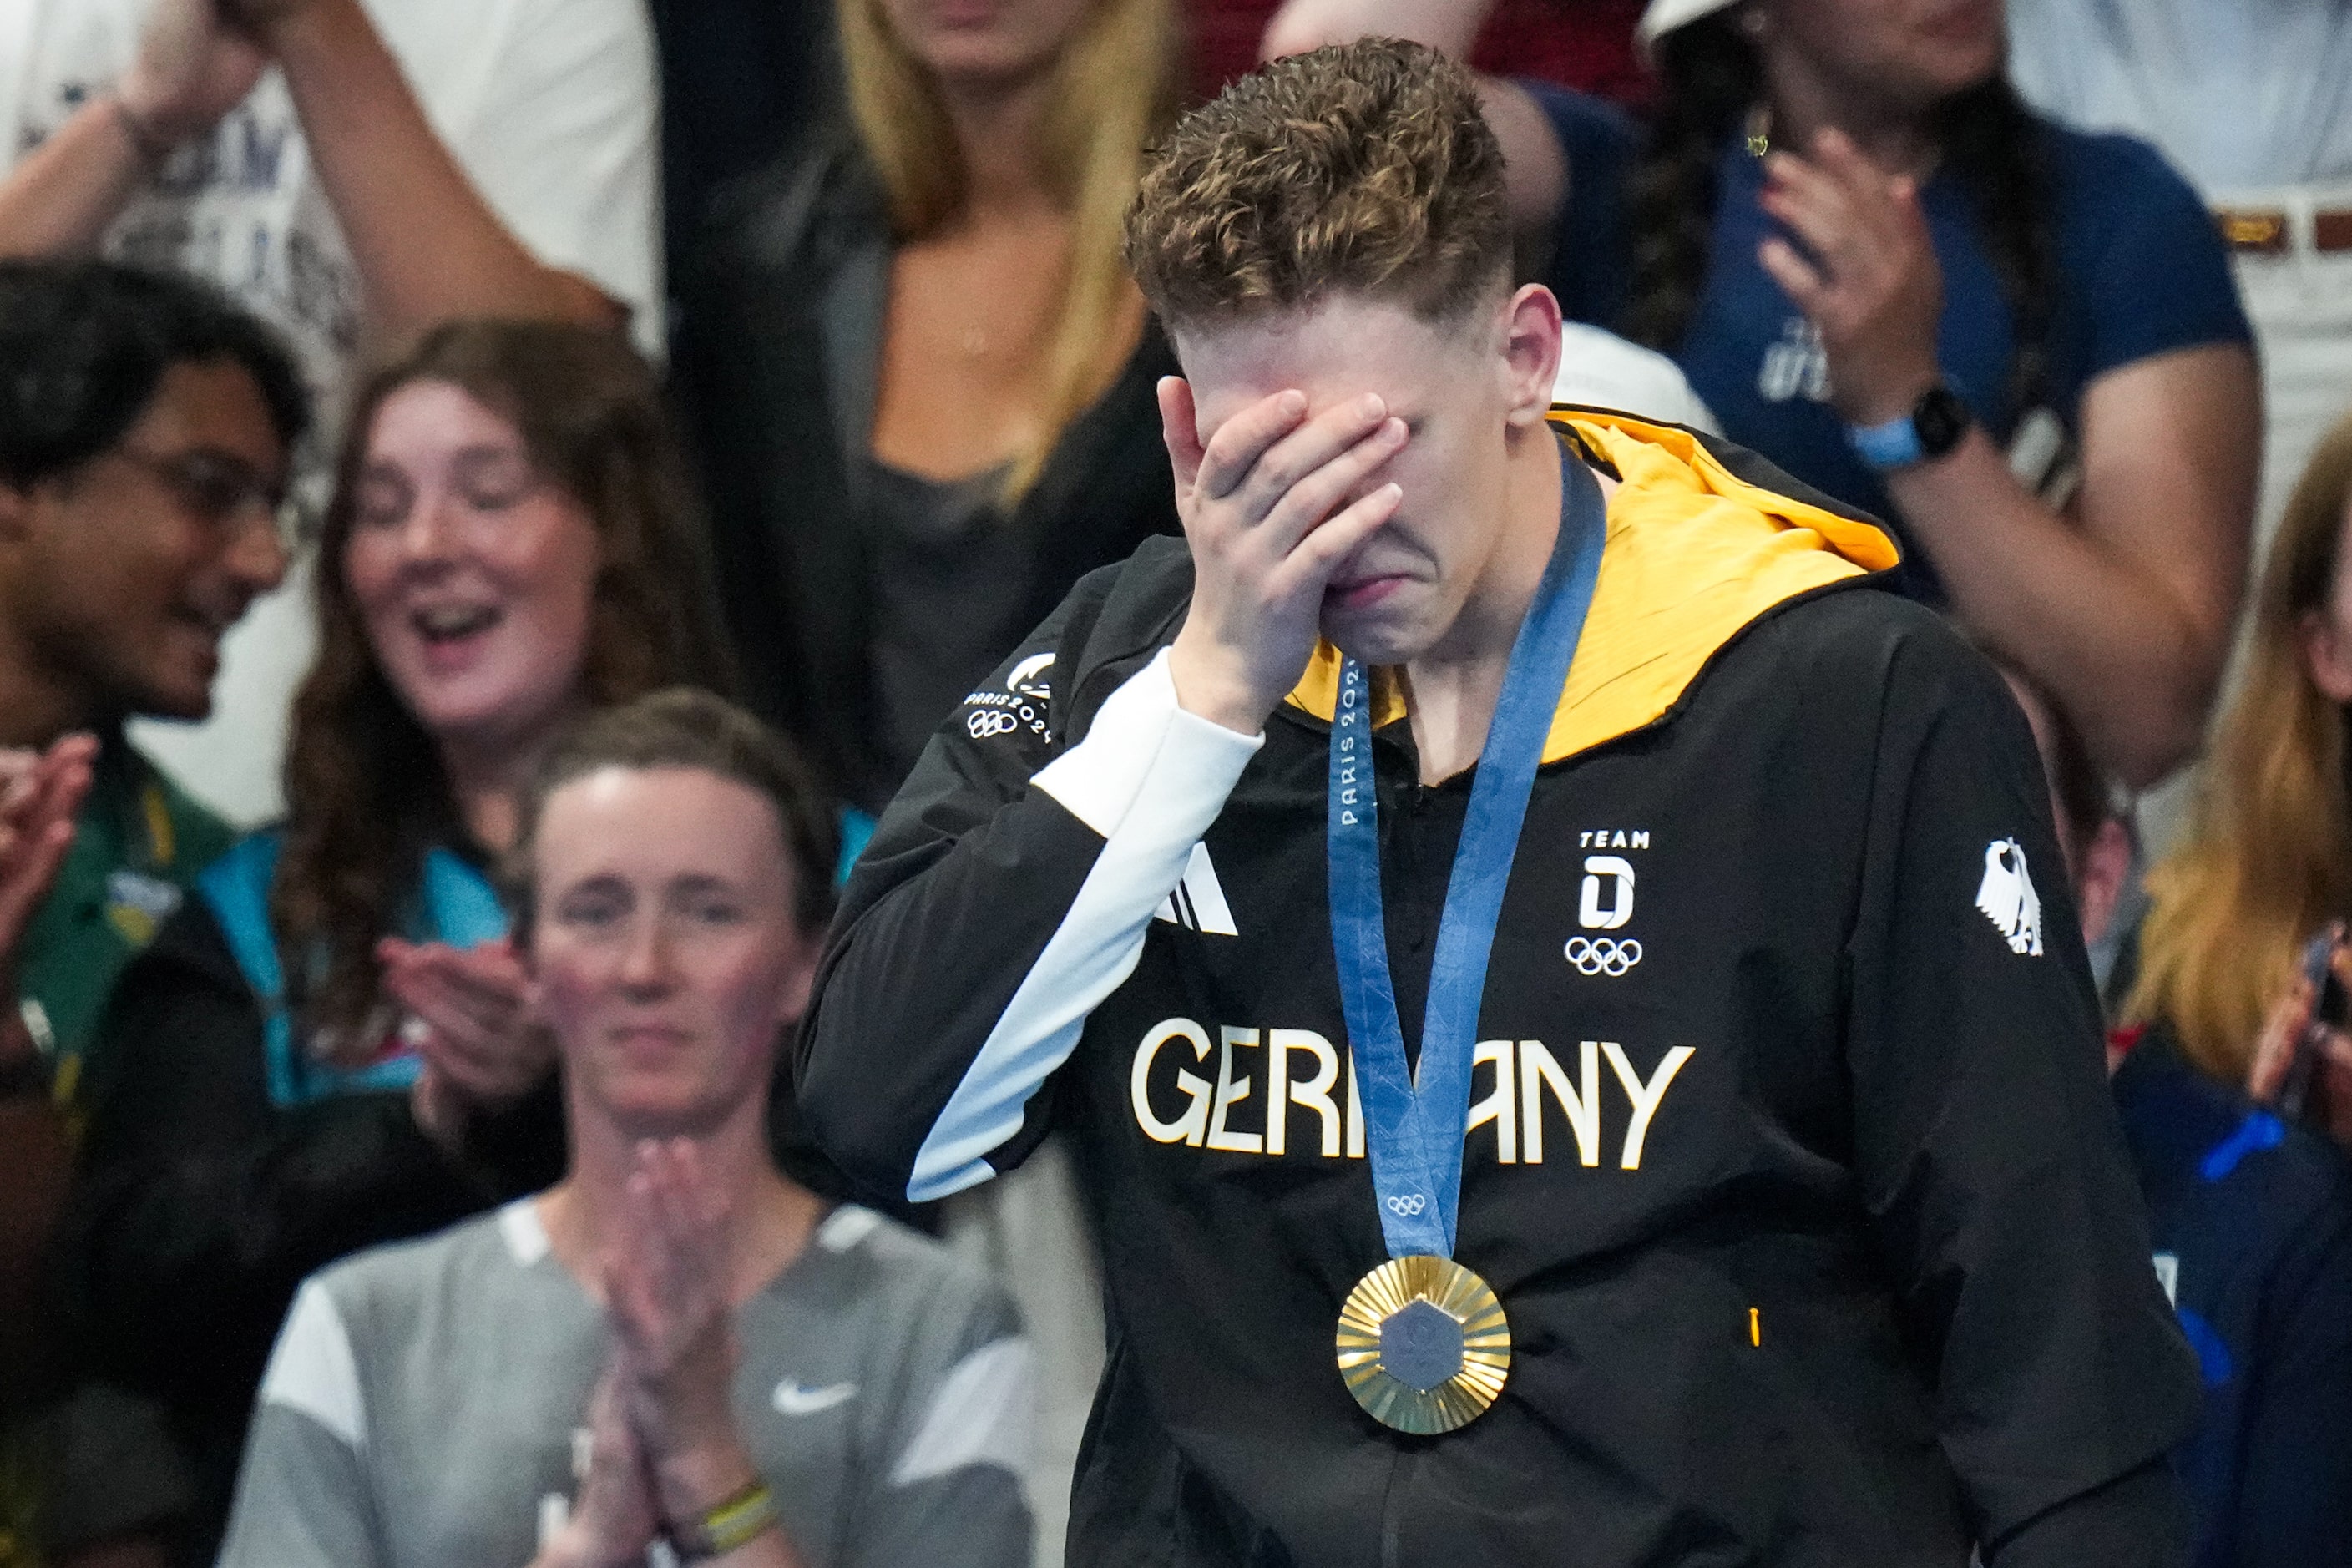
1416, 1120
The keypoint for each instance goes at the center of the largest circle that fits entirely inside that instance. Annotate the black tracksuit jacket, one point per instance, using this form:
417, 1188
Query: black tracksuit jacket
1813, 1221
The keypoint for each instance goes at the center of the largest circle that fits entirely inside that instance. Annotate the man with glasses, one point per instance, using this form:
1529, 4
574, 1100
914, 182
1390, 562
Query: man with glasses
146, 424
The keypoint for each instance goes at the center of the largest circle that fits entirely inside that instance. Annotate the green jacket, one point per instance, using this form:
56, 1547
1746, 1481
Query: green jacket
139, 844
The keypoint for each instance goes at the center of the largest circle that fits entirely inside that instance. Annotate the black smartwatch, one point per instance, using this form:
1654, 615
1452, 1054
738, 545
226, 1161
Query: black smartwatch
1936, 425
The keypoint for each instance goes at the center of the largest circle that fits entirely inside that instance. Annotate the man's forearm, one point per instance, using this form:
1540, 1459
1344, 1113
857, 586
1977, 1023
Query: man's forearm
59, 200
1035, 915
427, 247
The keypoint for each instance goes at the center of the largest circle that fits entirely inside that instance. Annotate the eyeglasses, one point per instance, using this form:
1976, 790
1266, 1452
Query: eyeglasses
217, 489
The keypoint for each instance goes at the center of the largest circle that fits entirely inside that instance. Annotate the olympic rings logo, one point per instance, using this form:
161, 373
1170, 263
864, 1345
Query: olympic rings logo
1605, 956
1409, 1204
989, 721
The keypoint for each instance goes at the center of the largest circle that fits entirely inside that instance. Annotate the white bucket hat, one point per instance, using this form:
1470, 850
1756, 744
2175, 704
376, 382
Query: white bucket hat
1665, 16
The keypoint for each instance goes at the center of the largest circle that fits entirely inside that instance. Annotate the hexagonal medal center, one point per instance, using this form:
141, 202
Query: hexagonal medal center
1421, 1346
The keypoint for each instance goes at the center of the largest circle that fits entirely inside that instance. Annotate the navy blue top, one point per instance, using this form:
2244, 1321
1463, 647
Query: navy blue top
2141, 271
2251, 1221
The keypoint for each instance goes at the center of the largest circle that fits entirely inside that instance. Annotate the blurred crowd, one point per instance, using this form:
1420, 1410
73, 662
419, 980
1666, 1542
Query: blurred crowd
496, 497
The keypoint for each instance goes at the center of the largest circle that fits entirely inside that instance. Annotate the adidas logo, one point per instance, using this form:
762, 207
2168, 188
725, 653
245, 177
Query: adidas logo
1199, 903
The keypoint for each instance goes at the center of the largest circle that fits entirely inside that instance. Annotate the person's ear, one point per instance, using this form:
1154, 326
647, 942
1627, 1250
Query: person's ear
2326, 655
1530, 353
2107, 863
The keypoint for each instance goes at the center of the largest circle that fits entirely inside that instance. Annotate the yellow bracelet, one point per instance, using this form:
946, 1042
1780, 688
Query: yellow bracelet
730, 1523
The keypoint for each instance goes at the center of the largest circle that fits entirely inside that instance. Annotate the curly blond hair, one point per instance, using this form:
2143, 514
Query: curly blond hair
1364, 168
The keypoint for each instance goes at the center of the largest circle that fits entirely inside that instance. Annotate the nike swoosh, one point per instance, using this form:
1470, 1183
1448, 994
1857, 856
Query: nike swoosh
798, 1399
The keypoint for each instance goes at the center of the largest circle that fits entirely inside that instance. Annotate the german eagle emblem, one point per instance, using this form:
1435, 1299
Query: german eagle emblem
2008, 900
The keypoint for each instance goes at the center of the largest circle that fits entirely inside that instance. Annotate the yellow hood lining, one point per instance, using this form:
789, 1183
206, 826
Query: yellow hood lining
1695, 554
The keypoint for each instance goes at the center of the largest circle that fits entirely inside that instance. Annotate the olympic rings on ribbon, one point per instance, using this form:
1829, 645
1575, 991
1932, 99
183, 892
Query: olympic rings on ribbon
989, 721
1602, 955
1409, 1203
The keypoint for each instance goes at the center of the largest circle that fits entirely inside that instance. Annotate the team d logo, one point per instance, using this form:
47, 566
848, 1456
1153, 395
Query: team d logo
2006, 896
1606, 901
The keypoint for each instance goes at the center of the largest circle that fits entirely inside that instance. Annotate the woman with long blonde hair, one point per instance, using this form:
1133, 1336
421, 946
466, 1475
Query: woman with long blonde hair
922, 377
2268, 861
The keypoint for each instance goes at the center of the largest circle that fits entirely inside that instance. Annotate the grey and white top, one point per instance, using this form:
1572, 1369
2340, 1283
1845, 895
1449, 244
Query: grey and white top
425, 1404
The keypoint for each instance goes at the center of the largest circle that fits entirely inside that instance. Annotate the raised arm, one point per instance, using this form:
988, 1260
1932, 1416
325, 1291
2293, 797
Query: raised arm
428, 245
1008, 888
191, 69
991, 913
2120, 606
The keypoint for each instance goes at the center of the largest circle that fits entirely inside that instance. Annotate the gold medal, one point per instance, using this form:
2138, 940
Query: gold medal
1423, 1344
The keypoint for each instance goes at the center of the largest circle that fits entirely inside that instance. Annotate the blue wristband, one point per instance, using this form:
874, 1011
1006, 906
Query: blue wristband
1894, 445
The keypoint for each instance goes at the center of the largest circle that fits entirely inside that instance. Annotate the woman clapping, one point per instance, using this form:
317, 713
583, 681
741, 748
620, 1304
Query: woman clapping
325, 1047
719, 1360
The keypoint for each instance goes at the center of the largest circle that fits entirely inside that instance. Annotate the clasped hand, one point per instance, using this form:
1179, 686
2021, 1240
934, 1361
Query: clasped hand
1267, 509
1867, 278
469, 1019
664, 1441
40, 792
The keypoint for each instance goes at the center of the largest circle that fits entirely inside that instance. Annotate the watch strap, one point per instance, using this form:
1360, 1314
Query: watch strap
1893, 445
1937, 424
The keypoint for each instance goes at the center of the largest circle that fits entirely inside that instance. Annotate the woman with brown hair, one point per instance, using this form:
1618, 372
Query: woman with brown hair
919, 377
328, 1047
2268, 861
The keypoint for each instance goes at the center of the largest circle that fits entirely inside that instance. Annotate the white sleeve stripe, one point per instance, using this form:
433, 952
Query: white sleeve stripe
1138, 728
312, 1371
949, 1162
1181, 777
980, 1416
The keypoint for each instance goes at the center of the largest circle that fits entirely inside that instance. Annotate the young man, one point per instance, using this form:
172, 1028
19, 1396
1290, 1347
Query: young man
1755, 1196
146, 424
145, 433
